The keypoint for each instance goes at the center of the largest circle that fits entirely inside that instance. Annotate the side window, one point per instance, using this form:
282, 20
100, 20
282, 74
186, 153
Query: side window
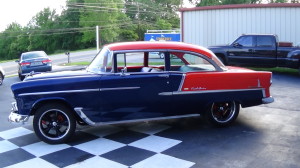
265, 41
130, 62
246, 41
185, 62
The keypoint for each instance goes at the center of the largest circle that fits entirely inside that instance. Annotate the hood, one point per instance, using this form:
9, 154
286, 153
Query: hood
61, 74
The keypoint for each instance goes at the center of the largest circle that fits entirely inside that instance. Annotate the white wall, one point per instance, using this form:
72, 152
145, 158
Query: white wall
223, 26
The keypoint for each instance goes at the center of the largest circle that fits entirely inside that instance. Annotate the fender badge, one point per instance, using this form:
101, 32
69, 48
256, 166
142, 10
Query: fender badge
198, 88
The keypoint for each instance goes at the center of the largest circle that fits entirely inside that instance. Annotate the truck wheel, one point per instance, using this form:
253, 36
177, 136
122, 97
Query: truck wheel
54, 123
222, 113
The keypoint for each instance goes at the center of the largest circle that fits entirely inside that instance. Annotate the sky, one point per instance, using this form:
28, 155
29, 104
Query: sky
22, 11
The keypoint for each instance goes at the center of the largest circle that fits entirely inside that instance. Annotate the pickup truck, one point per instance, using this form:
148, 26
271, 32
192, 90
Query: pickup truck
259, 51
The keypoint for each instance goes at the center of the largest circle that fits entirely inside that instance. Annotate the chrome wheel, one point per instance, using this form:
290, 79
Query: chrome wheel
54, 123
222, 113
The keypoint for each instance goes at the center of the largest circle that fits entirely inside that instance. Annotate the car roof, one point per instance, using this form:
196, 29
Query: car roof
149, 45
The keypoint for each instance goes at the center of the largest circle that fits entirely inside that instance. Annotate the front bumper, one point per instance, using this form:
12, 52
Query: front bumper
268, 100
14, 117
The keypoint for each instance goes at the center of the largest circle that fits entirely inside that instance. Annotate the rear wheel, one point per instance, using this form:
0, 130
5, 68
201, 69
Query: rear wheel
222, 113
54, 123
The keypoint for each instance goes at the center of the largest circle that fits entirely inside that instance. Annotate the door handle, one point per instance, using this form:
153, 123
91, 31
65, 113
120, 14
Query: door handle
164, 76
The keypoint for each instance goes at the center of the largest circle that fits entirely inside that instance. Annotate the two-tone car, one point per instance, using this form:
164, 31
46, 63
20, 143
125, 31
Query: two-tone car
124, 83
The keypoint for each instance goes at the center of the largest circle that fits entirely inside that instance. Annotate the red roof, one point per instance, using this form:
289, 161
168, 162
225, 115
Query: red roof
149, 45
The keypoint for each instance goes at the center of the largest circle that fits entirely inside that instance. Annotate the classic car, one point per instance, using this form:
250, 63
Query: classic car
124, 83
33, 61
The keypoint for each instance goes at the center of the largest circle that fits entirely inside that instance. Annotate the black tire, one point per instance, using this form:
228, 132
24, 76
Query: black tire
54, 123
21, 77
222, 113
1, 79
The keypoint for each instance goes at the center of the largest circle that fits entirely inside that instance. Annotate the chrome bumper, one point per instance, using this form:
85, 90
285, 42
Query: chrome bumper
267, 100
14, 117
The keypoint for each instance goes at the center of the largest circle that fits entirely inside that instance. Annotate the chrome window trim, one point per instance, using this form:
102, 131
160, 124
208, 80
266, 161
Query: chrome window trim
206, 91
181, 83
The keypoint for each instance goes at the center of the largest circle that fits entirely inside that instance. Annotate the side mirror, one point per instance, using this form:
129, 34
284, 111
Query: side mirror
123, 71
237, 45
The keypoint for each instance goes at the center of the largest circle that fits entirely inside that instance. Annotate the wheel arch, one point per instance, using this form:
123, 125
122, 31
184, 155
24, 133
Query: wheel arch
61, 101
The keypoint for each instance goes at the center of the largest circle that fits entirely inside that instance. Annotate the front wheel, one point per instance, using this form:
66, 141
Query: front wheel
222, 113
54, 123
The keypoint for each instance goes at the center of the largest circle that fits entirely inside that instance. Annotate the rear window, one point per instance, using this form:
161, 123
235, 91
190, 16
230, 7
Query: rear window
32, 55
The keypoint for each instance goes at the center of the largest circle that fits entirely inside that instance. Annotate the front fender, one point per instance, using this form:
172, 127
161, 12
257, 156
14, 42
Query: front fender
293, 59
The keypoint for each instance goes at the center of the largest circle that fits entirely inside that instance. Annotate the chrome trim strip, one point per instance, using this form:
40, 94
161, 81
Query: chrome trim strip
56, 92
181, 83
205, 91
90, 122
119, 88
83, 116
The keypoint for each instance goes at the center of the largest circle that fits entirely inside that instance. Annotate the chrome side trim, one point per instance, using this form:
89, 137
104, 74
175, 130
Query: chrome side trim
205, 91
90, 122
119, 88
181, 83
267, 100
83, 116
56, 92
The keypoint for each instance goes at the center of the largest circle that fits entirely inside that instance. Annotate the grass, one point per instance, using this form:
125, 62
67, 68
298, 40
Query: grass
280, 70
76, 63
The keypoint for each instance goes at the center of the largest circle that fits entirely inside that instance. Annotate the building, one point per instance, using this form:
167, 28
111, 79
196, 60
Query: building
213, 25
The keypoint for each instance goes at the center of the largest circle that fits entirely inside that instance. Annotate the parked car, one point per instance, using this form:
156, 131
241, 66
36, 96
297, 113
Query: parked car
33, 61
123, 84
2, 75
259, 50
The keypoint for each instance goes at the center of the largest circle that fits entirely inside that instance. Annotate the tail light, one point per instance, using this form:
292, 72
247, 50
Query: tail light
25, 63
46, 61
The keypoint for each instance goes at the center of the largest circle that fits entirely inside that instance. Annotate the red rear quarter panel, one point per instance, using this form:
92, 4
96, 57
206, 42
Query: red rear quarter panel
228, 80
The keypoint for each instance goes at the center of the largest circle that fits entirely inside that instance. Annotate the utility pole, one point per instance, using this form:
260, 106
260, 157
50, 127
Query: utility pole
97, 38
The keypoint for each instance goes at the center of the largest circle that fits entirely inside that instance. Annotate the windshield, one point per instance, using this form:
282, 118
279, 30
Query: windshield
102, 62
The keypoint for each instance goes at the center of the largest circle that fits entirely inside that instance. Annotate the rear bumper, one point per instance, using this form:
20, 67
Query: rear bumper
14, 117
267, 100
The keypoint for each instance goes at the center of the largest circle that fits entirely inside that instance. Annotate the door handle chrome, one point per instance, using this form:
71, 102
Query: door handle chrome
164, 76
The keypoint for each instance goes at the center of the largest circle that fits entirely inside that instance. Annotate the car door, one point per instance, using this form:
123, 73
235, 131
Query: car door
241, 51
264, 53
129, 94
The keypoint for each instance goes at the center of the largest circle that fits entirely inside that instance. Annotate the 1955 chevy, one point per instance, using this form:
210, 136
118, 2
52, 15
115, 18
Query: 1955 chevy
128, 82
